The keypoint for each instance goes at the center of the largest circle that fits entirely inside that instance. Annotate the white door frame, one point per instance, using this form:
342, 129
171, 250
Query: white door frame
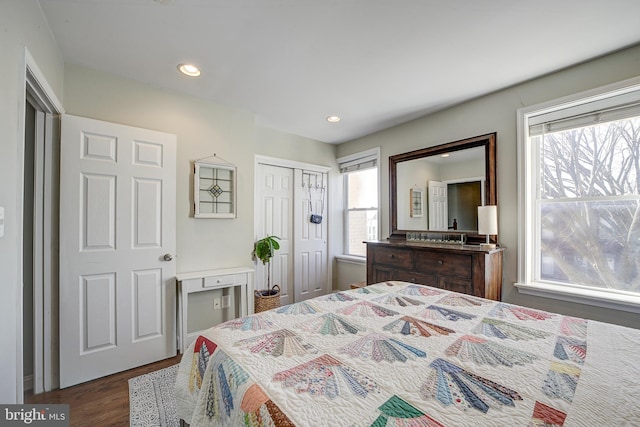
41, 92
480, 179
291, 164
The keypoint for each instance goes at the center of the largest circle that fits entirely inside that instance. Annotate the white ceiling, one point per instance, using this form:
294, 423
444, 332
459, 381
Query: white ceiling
375, 63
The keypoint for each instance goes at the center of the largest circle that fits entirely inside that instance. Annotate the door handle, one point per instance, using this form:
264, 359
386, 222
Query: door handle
167, 257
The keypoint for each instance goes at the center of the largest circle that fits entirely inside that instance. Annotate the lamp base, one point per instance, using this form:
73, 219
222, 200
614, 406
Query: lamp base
487, 245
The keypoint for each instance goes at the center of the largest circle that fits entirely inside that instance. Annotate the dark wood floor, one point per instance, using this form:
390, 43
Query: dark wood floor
101, 402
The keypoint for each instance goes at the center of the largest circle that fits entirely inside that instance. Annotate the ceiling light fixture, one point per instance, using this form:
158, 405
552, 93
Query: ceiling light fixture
444, 155
189, 70
333, 119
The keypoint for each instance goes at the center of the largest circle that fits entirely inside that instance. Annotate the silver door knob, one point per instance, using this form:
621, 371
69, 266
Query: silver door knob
168, 257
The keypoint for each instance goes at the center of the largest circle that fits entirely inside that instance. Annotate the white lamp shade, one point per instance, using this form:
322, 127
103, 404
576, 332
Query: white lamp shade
488, 219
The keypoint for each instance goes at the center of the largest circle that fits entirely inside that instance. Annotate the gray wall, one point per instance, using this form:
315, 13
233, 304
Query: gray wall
21, 25
497, 113
202, 128
347, 272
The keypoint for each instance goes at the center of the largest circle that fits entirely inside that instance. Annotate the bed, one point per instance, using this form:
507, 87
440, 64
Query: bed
396, 353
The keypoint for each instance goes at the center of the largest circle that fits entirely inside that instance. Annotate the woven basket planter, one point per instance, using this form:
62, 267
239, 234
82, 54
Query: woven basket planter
267, 299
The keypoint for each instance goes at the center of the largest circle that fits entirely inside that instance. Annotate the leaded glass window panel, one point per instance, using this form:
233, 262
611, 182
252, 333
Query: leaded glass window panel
214, 190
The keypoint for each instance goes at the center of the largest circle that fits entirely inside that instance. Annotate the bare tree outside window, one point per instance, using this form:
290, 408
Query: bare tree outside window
589, 205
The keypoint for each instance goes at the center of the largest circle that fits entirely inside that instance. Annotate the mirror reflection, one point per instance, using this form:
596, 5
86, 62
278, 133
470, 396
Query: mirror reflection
445, 189
439, 188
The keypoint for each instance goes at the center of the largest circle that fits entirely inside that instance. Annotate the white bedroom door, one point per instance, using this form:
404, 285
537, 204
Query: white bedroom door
275, 215
117, 240
438, 214
310, 246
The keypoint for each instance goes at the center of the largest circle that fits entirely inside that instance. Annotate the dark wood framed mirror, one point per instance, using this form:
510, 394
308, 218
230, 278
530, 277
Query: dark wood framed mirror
470, 162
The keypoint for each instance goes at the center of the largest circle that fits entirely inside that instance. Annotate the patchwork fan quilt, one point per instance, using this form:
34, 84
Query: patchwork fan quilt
400, 354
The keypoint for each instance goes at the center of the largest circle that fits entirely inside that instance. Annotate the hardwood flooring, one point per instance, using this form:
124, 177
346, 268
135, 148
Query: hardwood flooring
101, 402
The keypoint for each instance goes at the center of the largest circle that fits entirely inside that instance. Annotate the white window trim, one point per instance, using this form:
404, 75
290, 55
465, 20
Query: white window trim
526, 283
352, 259
371, 152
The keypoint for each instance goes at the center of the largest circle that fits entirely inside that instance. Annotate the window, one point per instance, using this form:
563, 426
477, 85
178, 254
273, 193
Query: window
579, 205
361, 219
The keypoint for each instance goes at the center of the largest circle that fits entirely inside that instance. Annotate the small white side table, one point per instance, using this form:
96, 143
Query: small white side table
200, 281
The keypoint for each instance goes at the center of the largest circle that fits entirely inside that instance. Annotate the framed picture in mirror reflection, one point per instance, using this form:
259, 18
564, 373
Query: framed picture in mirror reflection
416, 202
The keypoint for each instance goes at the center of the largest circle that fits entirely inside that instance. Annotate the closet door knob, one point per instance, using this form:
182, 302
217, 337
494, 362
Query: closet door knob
167, 257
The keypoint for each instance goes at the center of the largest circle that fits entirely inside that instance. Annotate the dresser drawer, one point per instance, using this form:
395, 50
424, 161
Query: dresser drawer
394, 257
379, 273
460, 268
445, 263
456, 284
418, 278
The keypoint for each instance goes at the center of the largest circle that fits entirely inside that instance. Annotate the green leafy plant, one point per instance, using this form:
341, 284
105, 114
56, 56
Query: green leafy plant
264, 249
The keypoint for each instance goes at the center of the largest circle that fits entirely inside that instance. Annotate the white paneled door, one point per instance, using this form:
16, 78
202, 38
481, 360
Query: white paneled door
310, 245
438, 212
117, 240
286, 196
275, 214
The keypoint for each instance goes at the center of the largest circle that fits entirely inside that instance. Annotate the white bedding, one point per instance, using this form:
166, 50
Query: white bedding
395, 353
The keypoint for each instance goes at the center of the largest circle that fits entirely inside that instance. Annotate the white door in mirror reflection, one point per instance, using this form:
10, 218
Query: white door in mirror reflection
437, 205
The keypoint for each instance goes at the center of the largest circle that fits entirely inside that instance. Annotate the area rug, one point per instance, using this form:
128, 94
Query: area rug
151, 399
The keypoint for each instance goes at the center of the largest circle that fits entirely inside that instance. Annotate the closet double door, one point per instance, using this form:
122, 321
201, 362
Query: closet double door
286, 198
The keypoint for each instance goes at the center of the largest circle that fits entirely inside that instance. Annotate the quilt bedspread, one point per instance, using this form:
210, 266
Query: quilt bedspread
396, 353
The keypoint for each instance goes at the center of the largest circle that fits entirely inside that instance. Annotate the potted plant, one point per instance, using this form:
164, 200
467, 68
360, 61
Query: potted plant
264, 249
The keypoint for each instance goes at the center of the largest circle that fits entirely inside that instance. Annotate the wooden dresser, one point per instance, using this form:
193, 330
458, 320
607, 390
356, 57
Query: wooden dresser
461, 268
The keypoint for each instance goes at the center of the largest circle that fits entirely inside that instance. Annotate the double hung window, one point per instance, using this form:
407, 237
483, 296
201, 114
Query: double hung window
579, 189
361, 215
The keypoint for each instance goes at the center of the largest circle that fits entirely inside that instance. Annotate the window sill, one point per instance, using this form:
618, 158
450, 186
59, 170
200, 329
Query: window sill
352, 259
593, 297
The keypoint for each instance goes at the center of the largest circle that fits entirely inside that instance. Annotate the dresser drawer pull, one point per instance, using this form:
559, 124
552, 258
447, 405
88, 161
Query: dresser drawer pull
440, 262
392, 256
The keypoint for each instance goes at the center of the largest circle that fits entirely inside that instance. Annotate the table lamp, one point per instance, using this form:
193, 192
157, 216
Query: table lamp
488, 224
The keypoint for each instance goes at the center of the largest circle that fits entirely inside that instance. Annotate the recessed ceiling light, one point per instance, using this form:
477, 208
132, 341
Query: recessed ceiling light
444, 155
189, 70
333, 119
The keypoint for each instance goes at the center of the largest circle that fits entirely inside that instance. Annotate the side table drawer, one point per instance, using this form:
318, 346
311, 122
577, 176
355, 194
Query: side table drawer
214, 281
394, 257
444, 263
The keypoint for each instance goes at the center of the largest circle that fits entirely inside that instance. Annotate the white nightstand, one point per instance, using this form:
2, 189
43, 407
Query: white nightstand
200, 281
